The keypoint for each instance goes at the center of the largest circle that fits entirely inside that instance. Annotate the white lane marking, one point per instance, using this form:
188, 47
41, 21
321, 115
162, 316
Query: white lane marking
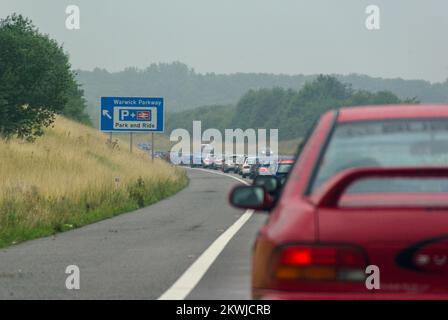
191, 277
220, 173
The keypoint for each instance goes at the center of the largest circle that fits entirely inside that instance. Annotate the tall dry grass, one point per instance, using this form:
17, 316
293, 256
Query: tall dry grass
72, 176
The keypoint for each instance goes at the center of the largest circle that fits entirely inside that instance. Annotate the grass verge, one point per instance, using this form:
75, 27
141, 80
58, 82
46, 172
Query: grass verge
72, 177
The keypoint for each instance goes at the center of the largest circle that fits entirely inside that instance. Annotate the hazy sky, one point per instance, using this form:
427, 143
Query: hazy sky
274, 36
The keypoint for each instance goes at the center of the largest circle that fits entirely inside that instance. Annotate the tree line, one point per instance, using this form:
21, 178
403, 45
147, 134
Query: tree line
290, 111
185, 89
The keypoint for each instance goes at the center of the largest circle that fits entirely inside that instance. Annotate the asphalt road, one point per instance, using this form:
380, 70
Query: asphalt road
142, 254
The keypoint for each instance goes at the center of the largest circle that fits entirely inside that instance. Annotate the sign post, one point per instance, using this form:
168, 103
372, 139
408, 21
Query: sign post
152, 146
132, 114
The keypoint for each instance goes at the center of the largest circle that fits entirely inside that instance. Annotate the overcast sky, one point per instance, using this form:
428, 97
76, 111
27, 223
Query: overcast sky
274, 36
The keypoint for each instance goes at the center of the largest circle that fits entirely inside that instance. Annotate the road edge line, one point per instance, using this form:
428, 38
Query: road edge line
185, 284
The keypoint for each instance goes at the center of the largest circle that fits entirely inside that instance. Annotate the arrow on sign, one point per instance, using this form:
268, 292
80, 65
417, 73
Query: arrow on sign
106, 113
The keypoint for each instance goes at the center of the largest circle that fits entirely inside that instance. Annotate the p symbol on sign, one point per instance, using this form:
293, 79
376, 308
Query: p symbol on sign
124, 114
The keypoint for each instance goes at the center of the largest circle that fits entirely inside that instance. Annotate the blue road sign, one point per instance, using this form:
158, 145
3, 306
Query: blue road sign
124, 114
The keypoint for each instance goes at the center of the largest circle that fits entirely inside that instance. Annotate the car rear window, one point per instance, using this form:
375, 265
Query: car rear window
389, 143
251, 160
284, 167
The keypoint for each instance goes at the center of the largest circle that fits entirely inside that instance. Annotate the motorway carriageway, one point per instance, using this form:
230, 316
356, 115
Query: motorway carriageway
192, 245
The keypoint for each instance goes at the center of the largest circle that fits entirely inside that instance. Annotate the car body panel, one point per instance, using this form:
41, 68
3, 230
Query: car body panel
280, 173
230, 163
208, 161
218, 162
393, 231
368, 113
291, 295
239, 164
248, 164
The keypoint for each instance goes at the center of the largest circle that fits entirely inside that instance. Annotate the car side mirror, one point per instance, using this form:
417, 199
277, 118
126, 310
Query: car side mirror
270, 183
251, 197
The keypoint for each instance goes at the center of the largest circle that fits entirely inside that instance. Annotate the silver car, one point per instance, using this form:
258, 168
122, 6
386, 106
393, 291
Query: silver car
230, 163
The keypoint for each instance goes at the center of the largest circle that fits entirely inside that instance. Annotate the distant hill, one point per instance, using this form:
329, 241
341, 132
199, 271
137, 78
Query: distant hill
185, 89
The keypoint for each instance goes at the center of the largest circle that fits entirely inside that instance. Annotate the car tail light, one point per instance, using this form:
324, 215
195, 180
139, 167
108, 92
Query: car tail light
262, 169
431, 258
319, 263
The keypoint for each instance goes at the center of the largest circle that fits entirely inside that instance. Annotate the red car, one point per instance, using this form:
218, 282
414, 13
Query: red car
363, 213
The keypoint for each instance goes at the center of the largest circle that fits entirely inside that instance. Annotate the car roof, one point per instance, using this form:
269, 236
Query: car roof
285, 161
369, 113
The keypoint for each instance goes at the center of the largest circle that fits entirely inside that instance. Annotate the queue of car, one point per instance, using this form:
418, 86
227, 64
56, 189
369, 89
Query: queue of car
246, 166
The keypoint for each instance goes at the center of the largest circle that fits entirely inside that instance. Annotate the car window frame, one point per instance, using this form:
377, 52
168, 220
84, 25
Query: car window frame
322, 151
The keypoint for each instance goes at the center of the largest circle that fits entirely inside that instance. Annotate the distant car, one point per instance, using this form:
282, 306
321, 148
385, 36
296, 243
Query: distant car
166, 156
248, 163
366, 198
282, 167
158, 154
239, 164
218, 162
181, 159
208, 162
262, 167
196, 160
230, 163
264, 170
144, 146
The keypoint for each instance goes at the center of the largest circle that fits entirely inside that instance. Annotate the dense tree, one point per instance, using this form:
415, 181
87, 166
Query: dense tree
292, 112
76, 105
219, 117
35, 79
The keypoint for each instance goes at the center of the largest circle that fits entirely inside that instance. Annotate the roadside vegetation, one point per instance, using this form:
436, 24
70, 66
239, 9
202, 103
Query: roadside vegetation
57, 174
289, 147
72, 176
36, 81
290, 111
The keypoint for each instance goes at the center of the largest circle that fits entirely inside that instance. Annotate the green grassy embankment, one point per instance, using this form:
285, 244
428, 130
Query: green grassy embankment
71, 177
